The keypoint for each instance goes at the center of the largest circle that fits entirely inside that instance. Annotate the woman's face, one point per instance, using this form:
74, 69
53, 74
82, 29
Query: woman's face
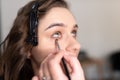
59, 24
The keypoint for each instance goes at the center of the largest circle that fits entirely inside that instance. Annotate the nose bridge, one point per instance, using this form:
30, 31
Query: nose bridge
72, 44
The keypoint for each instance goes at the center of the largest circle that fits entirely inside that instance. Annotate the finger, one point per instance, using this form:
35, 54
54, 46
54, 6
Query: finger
40, 72
35, 78
77, 71
58, 56
43, 67
73, 62
55, 67
46, 72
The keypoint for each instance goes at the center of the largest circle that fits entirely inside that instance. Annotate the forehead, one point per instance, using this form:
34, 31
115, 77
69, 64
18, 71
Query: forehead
57, 15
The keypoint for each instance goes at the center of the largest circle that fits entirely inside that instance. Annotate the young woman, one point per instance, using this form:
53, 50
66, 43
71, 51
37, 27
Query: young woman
44, 32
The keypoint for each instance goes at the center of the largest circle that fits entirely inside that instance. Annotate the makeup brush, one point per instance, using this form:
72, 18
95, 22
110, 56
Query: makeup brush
63, 61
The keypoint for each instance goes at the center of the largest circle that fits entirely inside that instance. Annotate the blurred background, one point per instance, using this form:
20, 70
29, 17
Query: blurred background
99, 30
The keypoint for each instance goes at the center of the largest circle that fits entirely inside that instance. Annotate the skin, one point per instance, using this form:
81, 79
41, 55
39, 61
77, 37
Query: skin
59, 24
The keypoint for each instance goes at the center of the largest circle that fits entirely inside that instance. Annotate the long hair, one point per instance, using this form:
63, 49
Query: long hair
14, 64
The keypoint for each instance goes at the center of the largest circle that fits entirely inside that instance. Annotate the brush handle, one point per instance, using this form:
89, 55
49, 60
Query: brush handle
66, 69
63, 61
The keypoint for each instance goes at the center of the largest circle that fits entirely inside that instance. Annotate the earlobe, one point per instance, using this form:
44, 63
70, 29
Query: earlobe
28, 55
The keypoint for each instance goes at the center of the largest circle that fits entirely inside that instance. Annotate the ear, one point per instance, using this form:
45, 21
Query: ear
28, 55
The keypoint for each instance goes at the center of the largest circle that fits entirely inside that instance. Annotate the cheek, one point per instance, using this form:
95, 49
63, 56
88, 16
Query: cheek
42, 50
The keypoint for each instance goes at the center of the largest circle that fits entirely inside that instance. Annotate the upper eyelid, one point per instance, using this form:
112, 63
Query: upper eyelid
60, 29
76, 30
62, 32
57, 30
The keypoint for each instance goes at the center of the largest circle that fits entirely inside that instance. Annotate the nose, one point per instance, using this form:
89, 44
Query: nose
73, 46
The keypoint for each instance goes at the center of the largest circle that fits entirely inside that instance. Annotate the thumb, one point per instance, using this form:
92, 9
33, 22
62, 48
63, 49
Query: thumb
73, 62
35, 78
77, 71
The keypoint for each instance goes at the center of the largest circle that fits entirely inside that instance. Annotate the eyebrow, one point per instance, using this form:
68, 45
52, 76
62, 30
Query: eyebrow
59, 25
75, 26
55, 25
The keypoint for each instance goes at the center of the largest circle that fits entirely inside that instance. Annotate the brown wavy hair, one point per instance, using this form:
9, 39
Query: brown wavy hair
14, 64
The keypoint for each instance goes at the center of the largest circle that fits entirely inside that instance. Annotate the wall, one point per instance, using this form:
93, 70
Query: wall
9, 9
99, 24
98, 20
0, 20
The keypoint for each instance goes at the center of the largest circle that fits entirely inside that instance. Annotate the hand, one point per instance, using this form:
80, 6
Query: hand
52, 70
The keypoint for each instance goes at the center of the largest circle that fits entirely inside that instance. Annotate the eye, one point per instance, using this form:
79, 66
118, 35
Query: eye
74, 33
57, 35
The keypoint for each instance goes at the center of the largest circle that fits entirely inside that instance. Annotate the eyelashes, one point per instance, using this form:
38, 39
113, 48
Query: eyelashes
74, 33
59, 34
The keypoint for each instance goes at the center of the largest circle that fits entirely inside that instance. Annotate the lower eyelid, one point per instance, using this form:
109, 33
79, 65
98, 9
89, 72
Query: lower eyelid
74, 34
